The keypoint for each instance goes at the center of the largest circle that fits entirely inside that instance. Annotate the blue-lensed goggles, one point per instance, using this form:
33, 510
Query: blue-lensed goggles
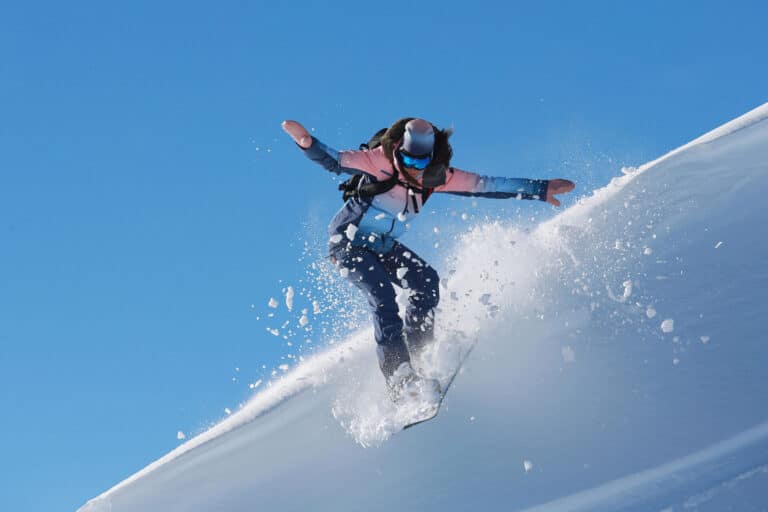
419, 163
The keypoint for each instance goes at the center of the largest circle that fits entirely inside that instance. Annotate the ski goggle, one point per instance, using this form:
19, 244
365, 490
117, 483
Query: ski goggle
419, 163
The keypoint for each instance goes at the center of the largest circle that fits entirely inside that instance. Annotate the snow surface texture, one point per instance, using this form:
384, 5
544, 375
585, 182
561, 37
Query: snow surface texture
620, 366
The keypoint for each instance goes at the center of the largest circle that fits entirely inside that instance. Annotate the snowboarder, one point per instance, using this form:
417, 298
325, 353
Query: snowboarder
393, 176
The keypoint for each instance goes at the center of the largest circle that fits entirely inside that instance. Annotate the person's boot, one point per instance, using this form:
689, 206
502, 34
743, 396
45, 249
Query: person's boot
406, 385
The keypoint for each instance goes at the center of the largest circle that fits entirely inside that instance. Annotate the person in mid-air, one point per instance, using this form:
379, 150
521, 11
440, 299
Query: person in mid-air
394, 175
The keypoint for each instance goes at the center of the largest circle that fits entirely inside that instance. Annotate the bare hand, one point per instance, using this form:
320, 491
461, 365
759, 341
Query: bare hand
558, 187
298, 133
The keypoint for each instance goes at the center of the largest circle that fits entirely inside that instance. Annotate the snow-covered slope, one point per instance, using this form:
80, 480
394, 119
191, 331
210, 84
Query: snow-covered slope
621, 366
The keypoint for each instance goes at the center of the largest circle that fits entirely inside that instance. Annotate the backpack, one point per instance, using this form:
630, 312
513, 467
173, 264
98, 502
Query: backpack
352, 188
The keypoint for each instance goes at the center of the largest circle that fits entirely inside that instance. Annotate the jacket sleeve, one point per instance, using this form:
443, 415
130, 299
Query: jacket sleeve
463, 183
338, 162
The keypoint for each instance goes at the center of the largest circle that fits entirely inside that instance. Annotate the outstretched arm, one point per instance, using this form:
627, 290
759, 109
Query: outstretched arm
348, 162
465, 183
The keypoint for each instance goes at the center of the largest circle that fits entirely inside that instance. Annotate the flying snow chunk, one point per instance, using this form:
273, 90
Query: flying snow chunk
180, 435
527, 465
627, 290
315, 308
344, 272
336, 238
704, 339
718, 245
668, 325
284, 367
650, 312
351, 231
273, 303
569, 355
304, 320
255, 384
401, 272
647, 251
227, 410
289, 294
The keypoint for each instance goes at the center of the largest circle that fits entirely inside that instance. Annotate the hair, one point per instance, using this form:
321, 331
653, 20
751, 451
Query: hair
442, 152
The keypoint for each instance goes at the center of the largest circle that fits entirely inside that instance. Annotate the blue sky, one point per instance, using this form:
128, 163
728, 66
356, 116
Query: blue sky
148, 197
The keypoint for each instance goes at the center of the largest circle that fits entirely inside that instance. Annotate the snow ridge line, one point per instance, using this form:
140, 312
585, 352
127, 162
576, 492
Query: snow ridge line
656, 487
312, 372
752, 117
600, 195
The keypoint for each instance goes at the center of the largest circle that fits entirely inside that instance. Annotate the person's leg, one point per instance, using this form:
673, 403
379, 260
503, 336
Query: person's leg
413, 273
365, 269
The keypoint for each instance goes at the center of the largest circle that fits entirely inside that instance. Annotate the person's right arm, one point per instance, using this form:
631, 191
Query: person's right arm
347, 162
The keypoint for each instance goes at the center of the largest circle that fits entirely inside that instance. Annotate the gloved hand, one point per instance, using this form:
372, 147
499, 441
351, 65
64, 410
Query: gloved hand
558, 187
298, 133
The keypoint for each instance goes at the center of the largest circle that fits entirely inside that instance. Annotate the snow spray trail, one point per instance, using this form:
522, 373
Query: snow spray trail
625, 333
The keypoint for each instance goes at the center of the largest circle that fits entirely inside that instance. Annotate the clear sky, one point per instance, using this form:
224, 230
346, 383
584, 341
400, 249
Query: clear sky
150, 205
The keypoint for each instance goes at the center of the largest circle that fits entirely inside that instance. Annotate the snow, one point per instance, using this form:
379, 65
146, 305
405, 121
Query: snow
289, 295
640, 420
351, 231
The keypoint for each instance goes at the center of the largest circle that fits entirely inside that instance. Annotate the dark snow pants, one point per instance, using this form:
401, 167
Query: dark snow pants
374, 274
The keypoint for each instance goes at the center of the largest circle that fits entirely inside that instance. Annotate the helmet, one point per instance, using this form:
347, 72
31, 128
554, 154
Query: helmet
418, 144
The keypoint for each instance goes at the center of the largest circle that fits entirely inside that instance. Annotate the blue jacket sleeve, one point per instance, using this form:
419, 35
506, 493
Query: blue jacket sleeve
327, 157
463, 183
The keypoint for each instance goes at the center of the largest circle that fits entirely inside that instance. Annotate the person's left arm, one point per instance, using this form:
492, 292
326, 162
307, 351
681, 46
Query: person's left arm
464, 183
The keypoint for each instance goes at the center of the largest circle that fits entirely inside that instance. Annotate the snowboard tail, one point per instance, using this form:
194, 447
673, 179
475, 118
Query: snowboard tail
429, 413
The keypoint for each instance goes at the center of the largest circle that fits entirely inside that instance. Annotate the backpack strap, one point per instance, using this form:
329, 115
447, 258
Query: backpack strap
353, 188
379, 187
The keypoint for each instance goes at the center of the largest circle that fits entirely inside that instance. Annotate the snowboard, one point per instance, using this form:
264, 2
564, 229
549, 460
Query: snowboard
430, 411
